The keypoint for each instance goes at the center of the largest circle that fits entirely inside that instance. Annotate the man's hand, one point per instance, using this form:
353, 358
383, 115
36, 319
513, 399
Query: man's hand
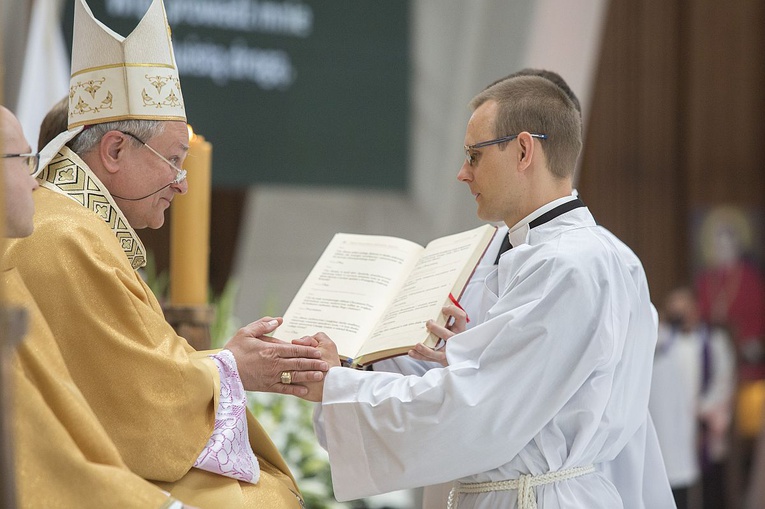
421, 352
328, 353
261, 360
456, 323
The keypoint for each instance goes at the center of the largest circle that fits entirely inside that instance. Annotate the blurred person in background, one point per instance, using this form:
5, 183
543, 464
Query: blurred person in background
731, 294
691, 399
55, 122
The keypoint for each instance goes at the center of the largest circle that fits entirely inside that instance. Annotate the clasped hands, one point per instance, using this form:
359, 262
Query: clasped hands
265, 363
456, 323
261, 360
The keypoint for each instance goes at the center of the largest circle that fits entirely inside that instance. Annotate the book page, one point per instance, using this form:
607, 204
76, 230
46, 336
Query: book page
349, 289
444, 267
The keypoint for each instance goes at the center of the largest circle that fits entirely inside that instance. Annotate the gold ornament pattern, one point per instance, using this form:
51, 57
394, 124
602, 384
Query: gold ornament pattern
163, 91
171, 100
90, 87
157, 82
67, 174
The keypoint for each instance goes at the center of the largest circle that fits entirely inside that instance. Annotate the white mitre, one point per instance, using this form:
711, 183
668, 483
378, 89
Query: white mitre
120, 78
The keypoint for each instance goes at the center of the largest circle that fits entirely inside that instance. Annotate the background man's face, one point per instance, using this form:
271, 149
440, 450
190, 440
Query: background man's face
19, 184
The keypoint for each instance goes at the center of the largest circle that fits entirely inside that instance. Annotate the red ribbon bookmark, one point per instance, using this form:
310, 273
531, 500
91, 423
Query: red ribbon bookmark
456, 303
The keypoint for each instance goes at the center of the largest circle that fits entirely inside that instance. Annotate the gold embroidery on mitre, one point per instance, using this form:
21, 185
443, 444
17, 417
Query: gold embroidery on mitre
121, 65
80, 108
67, 174
92, 86
93, 105
147, 99
172, 100
158, 82
107, 102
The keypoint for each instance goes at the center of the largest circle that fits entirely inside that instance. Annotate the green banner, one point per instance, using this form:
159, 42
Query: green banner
306, 92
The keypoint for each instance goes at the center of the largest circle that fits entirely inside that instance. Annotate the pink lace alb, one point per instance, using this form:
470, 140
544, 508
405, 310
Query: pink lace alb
228, 451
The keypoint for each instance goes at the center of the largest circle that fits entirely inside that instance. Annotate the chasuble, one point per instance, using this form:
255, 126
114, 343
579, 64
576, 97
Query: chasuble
555, 375
63, 456
154, 394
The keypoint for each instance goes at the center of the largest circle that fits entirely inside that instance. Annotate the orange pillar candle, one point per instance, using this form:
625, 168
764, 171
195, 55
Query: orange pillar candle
190, 228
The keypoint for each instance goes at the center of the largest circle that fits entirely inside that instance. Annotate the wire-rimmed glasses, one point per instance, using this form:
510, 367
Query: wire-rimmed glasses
470, 157
180, 173
32, 161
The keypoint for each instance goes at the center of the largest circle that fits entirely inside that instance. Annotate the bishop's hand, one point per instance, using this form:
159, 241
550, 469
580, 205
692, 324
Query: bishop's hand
266, 363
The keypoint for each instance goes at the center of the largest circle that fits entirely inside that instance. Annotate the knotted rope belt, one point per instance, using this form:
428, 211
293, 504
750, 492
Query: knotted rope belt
524, 484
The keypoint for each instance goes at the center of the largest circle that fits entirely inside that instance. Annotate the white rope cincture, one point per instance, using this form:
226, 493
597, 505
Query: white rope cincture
525, 485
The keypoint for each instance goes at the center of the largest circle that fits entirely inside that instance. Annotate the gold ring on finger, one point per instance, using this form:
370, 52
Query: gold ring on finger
286, 377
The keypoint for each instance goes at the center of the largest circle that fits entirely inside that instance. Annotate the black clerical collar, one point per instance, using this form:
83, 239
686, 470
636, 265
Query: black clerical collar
557, 211
539, 221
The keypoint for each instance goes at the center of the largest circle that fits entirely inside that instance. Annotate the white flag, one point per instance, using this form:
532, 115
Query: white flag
45, 77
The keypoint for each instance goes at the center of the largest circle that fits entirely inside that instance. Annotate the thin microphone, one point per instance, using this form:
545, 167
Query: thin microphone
180, 177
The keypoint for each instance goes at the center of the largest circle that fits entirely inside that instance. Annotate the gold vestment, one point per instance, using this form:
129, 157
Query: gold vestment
154, 394
63, 456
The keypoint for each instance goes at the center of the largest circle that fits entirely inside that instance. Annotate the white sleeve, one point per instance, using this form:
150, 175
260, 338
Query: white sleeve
377, 426
405, 365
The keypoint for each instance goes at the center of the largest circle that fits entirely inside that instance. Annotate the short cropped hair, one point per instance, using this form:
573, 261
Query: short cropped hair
91, 136
548, 75
536, 105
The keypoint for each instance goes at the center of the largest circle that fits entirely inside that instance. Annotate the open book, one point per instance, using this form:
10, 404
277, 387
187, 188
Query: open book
372, 294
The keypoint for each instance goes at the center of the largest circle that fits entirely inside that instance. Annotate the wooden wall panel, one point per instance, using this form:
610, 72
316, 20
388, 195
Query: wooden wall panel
676, 124
724, 154
629, 165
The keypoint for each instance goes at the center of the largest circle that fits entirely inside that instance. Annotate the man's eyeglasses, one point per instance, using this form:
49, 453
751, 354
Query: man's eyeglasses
470, 156
180, 174
31, 160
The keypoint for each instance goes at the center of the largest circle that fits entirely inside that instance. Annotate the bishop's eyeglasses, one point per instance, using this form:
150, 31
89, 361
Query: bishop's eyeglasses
470, 156
180, 173
32, 161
